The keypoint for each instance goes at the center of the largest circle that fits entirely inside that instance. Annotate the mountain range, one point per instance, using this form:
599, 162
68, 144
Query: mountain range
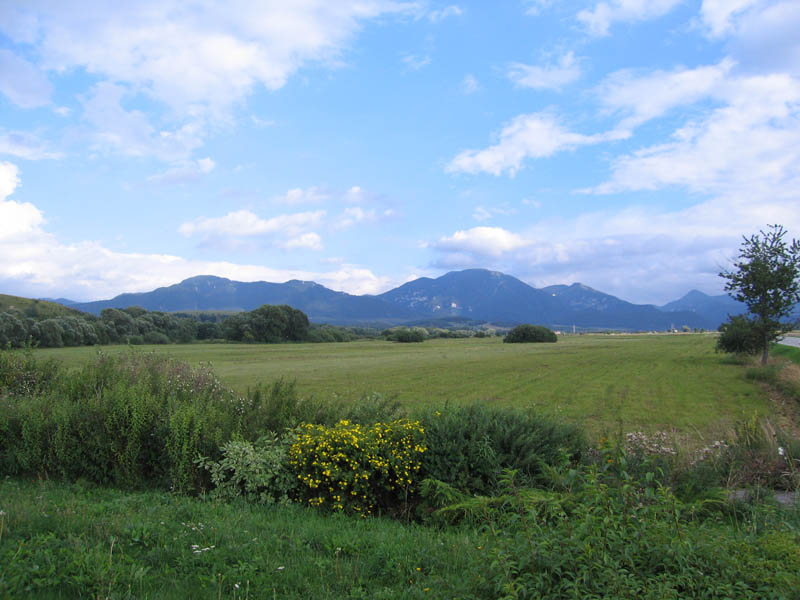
475, 294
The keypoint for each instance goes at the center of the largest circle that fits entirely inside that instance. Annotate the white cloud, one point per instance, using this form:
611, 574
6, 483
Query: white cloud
718, 15
129, 132
355, 195
536, 6
482, 213
599, 19
436, 16
415, 62
638, 253
16, 218
218, 52
35, 263
555, 76
22, 83
536, 135
482, 242
244, 223
355, 215
259, 122
470, 85
25, 145
751, 142
295, 196
309, 240
186, 172
766, 40
644, 98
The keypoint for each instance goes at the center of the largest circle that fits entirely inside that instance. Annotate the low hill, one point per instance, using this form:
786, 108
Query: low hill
38, 309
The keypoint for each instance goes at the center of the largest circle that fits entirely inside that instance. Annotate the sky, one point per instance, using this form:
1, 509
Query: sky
624, 144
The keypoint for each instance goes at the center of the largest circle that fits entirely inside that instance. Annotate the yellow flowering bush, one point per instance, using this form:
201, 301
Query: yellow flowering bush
358, 468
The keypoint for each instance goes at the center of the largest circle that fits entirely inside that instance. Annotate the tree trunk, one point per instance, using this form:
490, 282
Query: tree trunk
765, 353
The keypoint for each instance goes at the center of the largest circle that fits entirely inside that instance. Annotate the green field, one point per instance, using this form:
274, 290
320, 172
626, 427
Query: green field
675, 383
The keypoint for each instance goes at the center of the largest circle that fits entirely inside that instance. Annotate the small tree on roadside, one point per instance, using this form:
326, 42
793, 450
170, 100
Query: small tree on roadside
766, 278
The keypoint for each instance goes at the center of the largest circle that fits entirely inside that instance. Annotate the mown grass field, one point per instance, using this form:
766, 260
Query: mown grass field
675, 383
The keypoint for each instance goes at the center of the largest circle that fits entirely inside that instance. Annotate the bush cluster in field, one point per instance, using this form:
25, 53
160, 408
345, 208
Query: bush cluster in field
629, 518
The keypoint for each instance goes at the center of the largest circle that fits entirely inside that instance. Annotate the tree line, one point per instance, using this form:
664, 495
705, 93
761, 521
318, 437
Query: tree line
135, 325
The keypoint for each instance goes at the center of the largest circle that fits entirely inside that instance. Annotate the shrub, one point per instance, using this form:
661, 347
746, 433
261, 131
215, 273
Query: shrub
530, 333
135, 420
468, 446
406, 335
353, 468
256, 471
155, 337
625, 539
22, 375
739, 335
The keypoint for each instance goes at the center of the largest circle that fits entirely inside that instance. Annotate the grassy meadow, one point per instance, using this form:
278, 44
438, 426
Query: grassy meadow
102, 494
675, 383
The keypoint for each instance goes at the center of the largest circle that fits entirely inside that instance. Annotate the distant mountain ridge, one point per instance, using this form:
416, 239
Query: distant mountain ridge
475, 294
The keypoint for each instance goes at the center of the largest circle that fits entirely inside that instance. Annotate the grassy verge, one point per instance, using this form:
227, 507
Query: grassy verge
72, 541
789, 352
604, 382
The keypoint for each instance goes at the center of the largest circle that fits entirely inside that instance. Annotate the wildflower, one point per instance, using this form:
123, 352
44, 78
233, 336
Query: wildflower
781, 451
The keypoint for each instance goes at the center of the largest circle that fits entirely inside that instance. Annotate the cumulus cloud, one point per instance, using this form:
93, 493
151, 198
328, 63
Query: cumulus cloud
244, 223
35, 263
187, 172
553, 76
599, 19
629, 252
309, 240
751, 142
22, 83
765, 38
718, 15
355, 195
218, 52
130, 133
481, 242
16, 218
355, 215
536, 135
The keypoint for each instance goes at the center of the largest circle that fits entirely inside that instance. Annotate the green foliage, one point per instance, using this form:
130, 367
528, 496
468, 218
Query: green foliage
135, 420
756, 454
256, 471
530, 333
627, 538
739, 335
766, 277
81, 541
267, 324
21, 374
358, 469
468, 446
406, 334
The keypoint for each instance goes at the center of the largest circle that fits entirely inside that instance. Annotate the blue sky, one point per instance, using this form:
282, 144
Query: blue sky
624, 144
